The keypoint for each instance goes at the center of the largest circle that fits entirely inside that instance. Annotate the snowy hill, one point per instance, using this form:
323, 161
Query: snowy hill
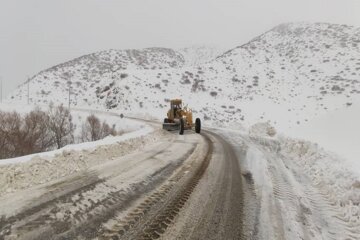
88, 73
294, 70
288, 75
198, 55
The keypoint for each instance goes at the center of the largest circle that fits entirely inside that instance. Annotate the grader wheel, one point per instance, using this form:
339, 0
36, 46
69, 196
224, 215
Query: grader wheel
182, 126
197, 125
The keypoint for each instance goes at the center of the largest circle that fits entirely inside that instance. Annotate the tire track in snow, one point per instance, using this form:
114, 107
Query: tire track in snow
327, 214
289, 217
152, 217
224, 204
82, 210
302, 203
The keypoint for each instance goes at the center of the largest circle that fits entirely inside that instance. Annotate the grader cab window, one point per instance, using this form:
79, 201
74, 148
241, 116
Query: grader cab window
176, 105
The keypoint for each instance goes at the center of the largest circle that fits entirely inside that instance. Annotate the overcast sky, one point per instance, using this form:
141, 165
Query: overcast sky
37, 34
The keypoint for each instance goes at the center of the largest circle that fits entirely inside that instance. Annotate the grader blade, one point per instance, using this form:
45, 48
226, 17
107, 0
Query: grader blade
170, 126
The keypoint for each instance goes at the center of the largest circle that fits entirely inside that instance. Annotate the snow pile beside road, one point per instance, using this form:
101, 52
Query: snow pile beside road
45, 167
333, 176
334, 179
263, 133
337, 131
263, 129
80, 146
313, 187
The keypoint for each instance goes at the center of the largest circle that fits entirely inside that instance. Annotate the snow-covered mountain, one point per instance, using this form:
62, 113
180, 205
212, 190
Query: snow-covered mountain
197, 55
287, 76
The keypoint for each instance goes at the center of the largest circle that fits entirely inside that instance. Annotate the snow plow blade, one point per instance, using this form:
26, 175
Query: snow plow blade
170, 126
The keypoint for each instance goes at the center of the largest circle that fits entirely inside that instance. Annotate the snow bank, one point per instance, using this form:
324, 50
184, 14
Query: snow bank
331, 174
262, 129
129, 128
328, 173
53, 165
337, 131
81, 146
23, 172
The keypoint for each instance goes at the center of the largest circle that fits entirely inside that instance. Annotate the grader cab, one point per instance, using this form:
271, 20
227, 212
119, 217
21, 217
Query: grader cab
180, 118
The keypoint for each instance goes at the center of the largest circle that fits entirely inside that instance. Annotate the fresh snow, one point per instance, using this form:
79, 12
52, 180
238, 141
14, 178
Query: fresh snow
338, 132
121, 165
289, 75
319, 196
297, 80
32, 170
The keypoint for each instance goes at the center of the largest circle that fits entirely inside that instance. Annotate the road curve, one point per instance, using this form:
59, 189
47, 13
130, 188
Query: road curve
220, 207
197, 191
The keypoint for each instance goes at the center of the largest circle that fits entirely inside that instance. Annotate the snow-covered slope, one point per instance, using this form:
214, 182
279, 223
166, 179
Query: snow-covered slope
89, 73
198, 55
294, 72
287, 76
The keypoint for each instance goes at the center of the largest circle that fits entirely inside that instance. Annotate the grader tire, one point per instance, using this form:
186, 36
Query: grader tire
182, 126
166, 120
197, 125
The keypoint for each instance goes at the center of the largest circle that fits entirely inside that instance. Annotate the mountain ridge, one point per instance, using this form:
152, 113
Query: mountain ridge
297, 70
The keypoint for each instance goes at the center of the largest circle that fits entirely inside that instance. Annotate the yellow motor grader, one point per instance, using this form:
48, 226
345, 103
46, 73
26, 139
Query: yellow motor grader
180, 118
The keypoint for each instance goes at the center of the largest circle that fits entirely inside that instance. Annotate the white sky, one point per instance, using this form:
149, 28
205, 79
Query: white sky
37, 34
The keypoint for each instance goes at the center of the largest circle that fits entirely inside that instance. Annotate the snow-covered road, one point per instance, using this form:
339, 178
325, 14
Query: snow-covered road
91, 203
221, 184
291, 202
